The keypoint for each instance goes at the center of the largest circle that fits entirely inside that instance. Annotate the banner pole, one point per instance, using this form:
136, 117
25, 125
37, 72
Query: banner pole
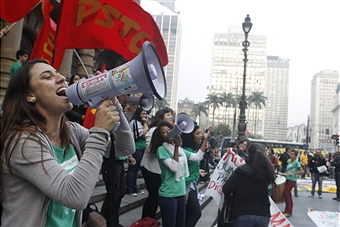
82, 63
11, 26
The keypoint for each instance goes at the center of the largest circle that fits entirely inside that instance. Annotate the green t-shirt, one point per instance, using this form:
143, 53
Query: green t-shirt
170, 187
14, 68
57, 214
293, 167
140, 144
194, 168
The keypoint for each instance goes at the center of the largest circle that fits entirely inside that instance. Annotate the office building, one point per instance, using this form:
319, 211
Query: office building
277, 92
227, 76
323, 89
170, 28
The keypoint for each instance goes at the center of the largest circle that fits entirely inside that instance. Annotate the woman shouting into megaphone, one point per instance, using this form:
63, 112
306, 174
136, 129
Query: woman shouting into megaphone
50, 163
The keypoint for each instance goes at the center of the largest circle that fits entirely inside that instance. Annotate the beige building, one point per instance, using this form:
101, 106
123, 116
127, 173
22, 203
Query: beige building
186, 106
323, 89
336, 112
227, 75
170, 28
277, 93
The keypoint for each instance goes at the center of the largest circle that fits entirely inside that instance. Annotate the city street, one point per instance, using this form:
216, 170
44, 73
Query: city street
299, 218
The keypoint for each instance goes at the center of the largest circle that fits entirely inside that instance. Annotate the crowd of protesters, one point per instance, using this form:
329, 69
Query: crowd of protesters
171, 168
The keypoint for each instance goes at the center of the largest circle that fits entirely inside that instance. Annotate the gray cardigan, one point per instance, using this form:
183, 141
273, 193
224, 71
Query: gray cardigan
28, 189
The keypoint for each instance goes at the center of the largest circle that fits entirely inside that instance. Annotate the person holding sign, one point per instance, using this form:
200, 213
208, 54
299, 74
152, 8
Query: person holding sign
249, 187
193, 142
293, 170
317, 166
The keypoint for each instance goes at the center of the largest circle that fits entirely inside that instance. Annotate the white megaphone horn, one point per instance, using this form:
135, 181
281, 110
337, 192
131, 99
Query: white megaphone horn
143, 74
183, 124
145, 101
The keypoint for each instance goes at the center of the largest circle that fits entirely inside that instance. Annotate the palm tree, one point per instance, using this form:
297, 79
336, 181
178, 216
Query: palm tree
160, 104
214, 101
259, 100
228, 100
198, 109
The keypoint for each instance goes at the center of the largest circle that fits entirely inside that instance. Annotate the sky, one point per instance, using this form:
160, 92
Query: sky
306, 32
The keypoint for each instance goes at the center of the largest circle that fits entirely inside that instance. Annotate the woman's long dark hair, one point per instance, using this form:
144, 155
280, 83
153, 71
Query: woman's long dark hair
72, 78
259, 163
20, 116
188, 139
156, 139
159, 116
136, 117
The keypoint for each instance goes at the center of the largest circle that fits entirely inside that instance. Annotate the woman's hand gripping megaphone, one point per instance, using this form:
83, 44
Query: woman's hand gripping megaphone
107, 115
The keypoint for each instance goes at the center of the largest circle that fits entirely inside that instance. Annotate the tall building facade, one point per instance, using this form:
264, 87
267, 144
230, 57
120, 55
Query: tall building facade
323, 89
170, 28
227, 76
336, 112
277, 93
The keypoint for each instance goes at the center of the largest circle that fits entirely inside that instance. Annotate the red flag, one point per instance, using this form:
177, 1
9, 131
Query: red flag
89, 117
44, 44
14, 10
119, 25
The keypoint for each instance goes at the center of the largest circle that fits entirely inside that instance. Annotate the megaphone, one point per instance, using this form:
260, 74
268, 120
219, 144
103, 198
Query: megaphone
183, 124
145, 101
143, 74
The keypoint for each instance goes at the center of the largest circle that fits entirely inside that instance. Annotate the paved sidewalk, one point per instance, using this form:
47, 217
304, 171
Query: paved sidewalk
300, 207
298, 219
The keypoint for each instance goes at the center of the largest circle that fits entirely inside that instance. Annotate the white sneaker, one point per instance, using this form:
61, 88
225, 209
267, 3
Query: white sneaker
133, 194
140, 192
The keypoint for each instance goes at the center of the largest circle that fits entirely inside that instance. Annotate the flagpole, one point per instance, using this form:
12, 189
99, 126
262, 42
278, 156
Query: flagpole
9, 29
82, 63
11, 26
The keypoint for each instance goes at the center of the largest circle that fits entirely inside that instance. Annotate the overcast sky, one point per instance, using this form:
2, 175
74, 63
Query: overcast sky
306, 32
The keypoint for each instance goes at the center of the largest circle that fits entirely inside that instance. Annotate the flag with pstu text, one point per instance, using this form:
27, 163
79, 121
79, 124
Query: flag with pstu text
14, 10
44, 45
119, 25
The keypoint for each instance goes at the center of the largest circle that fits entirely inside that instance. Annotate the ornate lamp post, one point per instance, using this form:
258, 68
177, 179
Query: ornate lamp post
246, 25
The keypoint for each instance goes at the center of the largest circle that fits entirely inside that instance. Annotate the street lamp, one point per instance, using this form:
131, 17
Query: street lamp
246, 25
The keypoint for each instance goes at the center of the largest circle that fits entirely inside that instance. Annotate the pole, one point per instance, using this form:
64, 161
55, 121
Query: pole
307, 134
243, 103
9, 29
81, 62
234, 120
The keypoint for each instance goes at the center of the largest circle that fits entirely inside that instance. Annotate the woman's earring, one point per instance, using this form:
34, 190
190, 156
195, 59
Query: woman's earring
33, 99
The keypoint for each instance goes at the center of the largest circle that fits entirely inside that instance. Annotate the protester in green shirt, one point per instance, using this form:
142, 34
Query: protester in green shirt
173, 161
293, 170
22, 57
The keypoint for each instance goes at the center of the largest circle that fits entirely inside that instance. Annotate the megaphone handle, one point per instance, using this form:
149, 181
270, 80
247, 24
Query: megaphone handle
115, 128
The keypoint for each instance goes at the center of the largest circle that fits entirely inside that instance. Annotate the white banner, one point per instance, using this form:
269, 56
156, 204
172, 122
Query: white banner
325, 218
225, 168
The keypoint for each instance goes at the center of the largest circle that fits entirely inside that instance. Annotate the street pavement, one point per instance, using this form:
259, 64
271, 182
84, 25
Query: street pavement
300, 208
299, 218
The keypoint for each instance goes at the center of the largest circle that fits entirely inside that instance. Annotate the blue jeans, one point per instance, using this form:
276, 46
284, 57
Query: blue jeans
316, 177
173, 211
132, 173
251, 221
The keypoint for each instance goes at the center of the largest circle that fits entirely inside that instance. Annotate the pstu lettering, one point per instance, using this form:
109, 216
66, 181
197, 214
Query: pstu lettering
130, 26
